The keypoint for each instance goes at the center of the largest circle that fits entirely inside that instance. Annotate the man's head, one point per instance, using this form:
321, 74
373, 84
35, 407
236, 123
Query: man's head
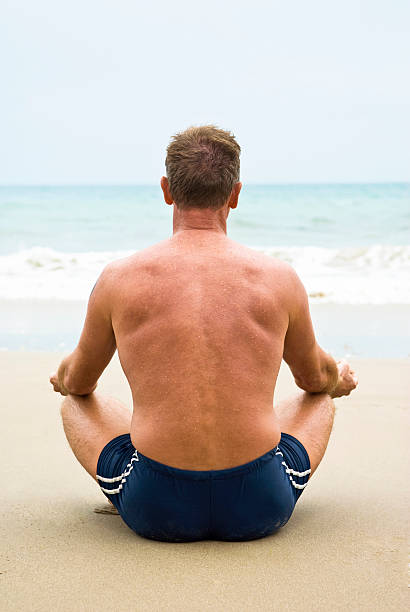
202, 166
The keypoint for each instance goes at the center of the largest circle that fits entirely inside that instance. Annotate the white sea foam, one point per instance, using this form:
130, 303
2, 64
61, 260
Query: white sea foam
377, 274
355, 275
41, 272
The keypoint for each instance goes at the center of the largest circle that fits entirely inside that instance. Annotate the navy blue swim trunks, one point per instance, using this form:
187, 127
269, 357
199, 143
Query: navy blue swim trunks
166, 503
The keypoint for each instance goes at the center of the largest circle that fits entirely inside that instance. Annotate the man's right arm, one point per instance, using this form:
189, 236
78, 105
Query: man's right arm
314, 370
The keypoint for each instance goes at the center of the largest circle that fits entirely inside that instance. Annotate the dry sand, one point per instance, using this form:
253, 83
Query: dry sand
345, 547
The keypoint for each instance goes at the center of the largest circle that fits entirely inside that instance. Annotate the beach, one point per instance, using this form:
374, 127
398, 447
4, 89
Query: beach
345, 546
254, 144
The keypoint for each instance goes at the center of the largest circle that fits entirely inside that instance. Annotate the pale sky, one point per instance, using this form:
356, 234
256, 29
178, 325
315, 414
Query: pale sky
315, 91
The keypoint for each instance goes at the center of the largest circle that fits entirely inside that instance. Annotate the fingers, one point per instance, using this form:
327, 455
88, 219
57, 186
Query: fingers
354, 378
354, 381
344, 368
54, 381
347, 377
56, 385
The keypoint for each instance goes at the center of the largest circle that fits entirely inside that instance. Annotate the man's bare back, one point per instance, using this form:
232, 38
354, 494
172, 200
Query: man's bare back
200, 323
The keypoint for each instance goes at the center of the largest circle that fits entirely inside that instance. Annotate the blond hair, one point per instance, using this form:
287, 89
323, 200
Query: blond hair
202, 166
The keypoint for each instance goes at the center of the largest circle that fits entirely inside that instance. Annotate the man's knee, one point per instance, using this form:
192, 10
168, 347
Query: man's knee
328, 406
318, 406
66, 412
75, 403
70, 409
66, 406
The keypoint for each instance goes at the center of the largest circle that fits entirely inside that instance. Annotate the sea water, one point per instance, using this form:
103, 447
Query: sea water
350, 244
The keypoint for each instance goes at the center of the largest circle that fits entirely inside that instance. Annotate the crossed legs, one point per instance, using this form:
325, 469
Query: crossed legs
90, 422
309, 418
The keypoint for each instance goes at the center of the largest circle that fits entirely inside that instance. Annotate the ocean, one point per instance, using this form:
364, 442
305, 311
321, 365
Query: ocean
350, 244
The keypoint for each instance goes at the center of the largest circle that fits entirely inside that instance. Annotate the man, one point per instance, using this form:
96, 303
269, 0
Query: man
201, 324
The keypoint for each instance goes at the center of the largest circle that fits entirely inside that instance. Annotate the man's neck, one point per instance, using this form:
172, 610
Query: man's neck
200, 220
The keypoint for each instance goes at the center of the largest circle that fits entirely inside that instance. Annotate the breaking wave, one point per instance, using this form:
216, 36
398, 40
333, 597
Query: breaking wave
377, 274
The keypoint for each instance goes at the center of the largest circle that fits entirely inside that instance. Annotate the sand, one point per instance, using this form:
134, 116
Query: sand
345, 547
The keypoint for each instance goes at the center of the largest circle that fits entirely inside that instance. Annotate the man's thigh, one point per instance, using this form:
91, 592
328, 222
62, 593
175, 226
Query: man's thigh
90, 422
309, 418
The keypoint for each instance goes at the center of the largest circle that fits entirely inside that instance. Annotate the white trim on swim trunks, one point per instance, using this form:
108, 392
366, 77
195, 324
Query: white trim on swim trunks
294, 472
289, 471
122, 476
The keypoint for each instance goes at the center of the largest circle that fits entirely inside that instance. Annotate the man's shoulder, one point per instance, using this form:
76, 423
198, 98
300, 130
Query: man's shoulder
266, 261
138, 259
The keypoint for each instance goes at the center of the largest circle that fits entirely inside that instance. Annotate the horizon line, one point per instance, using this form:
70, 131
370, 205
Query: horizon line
244, 184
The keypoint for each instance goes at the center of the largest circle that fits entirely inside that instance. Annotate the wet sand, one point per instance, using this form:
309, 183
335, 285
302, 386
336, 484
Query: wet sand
359, 330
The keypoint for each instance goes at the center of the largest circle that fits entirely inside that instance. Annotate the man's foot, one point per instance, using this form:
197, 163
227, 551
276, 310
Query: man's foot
107, 508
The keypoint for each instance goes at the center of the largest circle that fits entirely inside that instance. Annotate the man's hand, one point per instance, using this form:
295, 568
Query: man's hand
57, 385
347, 380
60, 388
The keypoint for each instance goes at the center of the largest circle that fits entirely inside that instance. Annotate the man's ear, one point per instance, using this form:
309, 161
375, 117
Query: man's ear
165, 188
233, 199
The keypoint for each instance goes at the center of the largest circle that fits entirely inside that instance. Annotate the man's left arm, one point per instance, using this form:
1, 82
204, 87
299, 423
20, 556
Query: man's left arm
79, 372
